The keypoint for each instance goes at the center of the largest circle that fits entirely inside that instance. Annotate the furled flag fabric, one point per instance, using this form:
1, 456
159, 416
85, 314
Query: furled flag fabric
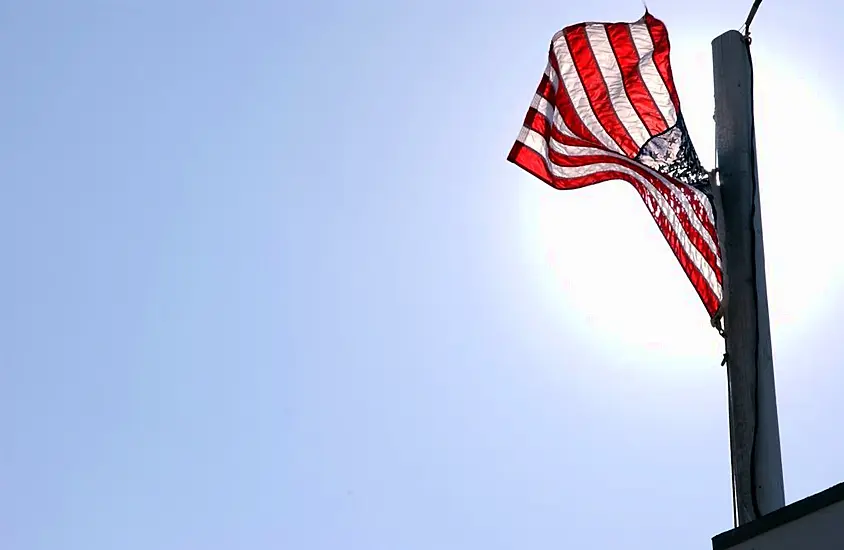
607, 109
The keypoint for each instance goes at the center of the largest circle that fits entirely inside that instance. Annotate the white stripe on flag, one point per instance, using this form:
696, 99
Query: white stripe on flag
608, 64
578, 95
650, 74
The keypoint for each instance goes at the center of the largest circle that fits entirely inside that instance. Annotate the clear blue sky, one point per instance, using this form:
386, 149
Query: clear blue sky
268, 282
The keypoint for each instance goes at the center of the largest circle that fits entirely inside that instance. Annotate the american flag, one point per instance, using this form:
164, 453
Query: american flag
607, 109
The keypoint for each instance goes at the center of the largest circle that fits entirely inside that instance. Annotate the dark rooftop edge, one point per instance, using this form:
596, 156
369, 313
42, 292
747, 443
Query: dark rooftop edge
786, 514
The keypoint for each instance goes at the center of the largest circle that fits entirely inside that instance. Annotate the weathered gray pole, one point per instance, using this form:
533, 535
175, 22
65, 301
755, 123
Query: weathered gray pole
754, 429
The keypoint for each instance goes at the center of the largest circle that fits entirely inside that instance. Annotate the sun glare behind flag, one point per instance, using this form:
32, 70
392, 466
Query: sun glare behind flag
607, 109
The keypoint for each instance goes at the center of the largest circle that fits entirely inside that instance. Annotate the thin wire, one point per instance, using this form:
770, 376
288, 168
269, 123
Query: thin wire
730, 400
750, 17
753, 214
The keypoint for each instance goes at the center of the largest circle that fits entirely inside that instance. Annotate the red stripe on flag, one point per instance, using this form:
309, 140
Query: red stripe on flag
546, 89
524, 157
702, 214
565, 107
521, 156
661, 55
596, 89
628, 62
537, 122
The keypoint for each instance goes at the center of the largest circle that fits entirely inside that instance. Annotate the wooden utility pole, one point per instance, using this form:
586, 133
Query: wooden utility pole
754, 430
